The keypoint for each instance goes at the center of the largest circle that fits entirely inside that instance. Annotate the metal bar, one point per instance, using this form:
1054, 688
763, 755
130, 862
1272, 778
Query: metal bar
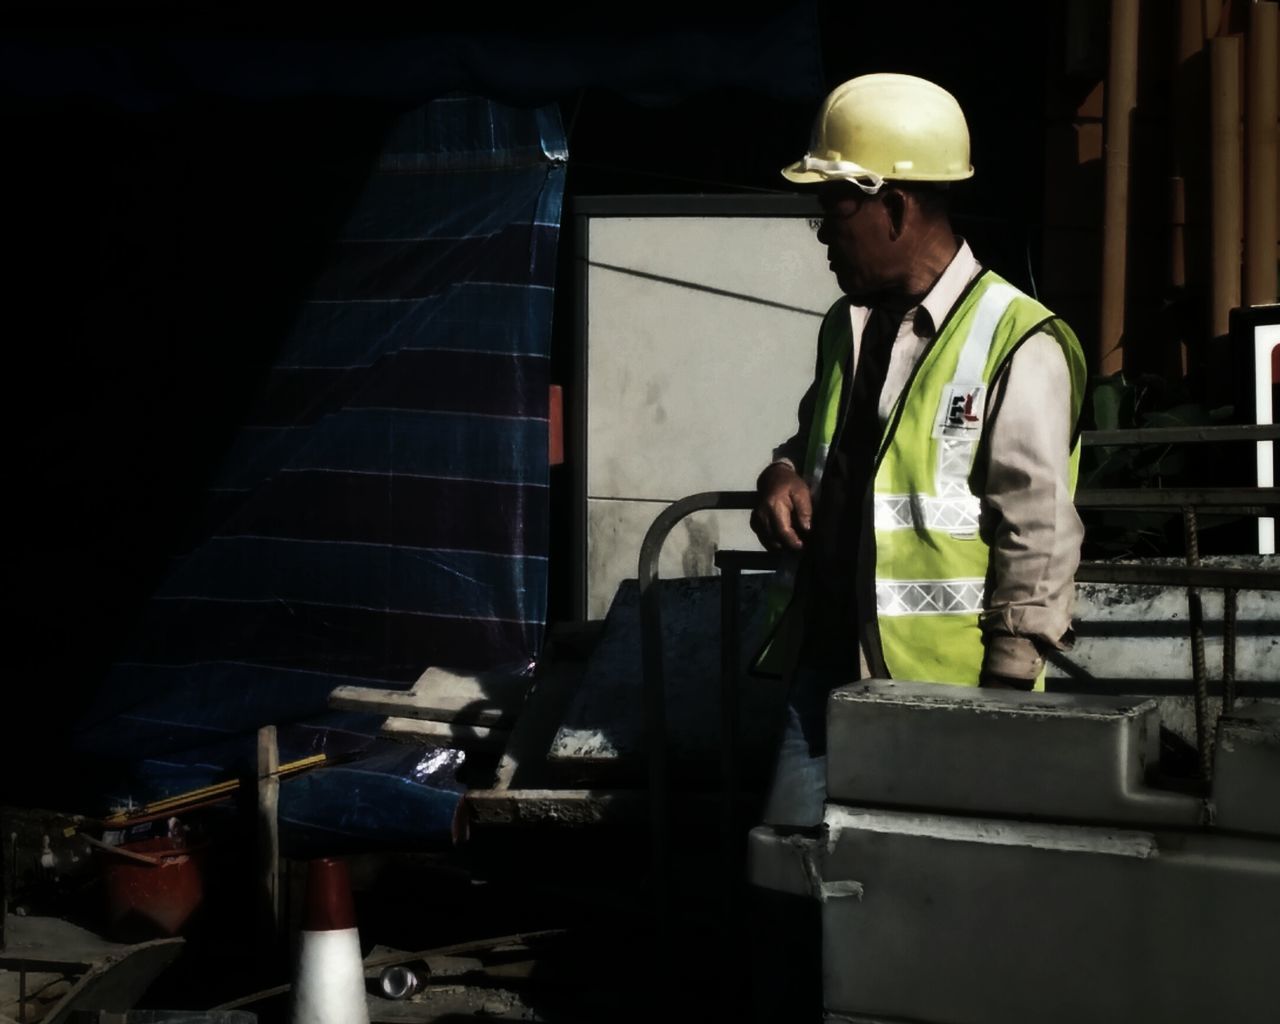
577, 431
1214, 577
652, 671
1195, 614
1249, 500
747, 561
1228, 650
1181, 435
1178, 576
783, 204
728, 730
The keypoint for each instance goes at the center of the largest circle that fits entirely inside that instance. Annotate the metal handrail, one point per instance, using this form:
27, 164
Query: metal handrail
1192, 576
1181, 435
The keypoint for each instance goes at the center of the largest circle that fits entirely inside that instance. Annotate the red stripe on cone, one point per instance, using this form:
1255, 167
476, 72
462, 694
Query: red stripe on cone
329, 903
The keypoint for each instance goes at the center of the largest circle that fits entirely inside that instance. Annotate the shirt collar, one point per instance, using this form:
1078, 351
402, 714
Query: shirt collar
946, 291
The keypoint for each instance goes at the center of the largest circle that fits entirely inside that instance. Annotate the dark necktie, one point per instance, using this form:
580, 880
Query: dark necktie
830, 636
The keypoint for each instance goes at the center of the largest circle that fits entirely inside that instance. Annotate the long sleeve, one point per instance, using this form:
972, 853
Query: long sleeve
1035, 531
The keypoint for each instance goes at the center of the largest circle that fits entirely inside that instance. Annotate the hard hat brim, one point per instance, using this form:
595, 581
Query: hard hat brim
797, 175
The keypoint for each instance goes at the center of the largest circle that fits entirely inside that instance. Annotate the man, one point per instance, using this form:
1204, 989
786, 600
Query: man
928, 491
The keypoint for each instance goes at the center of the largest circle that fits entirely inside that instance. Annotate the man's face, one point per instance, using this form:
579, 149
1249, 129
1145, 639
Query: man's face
855, 230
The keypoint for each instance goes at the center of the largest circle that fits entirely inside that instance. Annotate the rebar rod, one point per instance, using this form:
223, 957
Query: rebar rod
1228, 650
1195, 613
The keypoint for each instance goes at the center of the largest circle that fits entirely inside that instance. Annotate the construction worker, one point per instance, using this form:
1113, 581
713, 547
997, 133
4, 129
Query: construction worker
928, 490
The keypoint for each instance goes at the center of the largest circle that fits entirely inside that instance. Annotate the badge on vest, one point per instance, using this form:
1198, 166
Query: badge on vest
960, 412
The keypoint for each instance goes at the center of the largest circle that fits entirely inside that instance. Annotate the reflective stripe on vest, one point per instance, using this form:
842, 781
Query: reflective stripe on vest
929, 597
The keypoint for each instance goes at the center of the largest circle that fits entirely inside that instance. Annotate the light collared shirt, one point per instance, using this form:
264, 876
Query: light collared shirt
1036, 533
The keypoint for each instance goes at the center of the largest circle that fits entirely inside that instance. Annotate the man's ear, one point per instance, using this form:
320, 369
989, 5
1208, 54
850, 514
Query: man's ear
895, 206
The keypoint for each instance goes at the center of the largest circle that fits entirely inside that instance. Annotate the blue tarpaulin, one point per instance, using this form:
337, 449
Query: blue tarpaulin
383, 507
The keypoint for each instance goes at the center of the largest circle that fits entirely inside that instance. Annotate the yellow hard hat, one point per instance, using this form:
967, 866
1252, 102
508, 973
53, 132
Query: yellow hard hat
886, 127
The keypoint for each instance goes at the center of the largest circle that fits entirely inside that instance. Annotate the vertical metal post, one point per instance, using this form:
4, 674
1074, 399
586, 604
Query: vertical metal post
729, 578
1195, 614
576, 434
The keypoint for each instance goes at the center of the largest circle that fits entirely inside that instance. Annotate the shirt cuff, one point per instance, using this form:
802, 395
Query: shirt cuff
1014, 657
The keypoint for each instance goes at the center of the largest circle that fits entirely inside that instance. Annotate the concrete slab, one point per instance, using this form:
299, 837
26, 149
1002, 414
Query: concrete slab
1246, 779
974, 751
991, 921
1126, 633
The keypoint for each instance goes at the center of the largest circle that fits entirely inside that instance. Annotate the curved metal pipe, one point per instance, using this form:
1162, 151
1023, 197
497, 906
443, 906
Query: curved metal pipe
652, 670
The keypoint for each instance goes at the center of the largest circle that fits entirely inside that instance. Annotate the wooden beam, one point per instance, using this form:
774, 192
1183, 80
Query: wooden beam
268, 846
481, 698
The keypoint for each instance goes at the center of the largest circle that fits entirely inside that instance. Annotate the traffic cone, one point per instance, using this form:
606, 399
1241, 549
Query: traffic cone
328, 986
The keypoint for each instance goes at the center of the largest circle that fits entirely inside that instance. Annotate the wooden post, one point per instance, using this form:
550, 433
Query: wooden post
268, 846
1190, 41
1227, 211
1260, 131
1121, 99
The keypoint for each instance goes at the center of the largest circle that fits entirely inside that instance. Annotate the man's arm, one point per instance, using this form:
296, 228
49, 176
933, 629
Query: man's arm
1035, 546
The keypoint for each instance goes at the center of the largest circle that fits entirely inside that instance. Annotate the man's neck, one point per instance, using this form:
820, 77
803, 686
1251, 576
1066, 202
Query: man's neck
931, 256
924, 262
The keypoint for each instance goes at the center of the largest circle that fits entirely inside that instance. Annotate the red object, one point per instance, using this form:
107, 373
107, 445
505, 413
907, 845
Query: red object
329, 904
145, 900
555, 426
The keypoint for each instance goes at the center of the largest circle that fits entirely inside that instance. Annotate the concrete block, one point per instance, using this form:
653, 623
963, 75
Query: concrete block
1246, 779
989, 921
973, 751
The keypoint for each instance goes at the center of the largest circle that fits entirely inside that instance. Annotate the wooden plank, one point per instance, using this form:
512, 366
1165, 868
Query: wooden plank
559, 806
439, 695
451, 734
268, 846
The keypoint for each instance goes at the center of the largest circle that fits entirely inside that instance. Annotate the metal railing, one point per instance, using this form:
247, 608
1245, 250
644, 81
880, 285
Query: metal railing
1193, 576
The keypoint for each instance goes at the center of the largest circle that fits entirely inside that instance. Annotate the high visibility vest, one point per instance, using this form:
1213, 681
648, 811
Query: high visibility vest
931, 560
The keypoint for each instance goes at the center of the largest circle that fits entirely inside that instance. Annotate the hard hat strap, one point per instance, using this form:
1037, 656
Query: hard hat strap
844, 170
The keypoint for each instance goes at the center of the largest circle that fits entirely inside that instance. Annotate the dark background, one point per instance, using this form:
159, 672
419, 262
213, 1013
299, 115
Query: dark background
159, 241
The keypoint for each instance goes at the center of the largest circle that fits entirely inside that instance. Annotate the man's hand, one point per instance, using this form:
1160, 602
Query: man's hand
784, 511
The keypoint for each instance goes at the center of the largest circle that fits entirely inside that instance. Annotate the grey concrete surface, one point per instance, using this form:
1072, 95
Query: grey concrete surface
968, 920
973, 751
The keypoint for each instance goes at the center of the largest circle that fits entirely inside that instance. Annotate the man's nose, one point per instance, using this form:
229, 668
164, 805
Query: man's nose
822, 231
